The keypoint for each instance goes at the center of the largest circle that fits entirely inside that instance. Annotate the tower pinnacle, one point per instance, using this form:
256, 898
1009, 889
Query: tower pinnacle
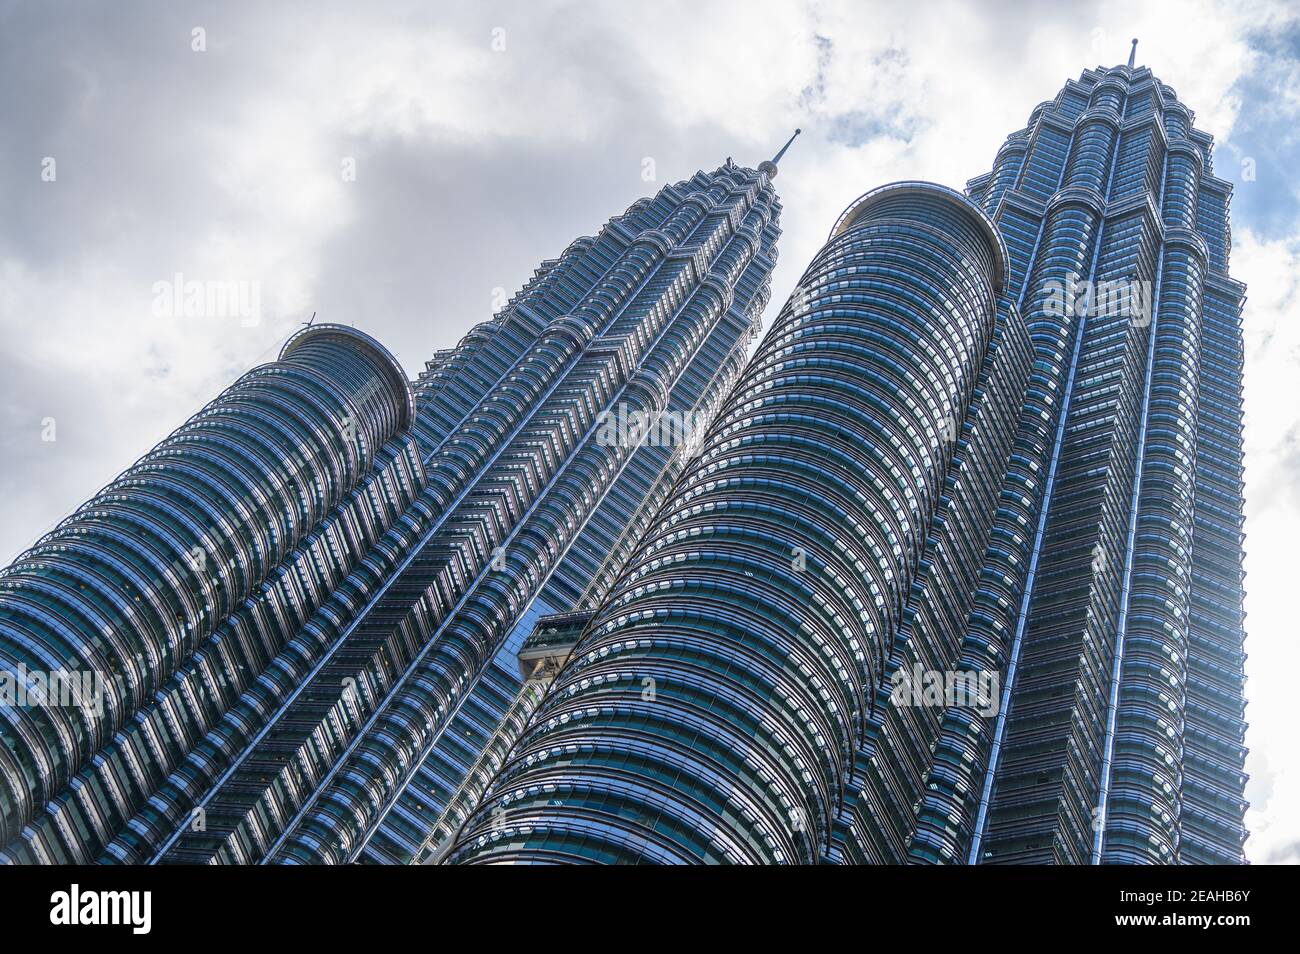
769, 165
1132, 53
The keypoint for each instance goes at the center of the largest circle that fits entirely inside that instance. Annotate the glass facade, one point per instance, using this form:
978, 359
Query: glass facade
994, 436
498, 615
1122, 737
187, 574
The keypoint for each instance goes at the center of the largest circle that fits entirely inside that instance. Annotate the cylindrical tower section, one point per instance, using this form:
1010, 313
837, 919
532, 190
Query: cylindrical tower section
120, 593
1143, 798
1006, 169
712, 710
1090, 157
1182, 185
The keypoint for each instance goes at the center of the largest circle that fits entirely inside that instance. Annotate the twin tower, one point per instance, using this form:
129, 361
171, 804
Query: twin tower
948, 571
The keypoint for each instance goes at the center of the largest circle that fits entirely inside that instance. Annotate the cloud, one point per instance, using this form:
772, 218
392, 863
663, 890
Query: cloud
1272, 439
1283, 854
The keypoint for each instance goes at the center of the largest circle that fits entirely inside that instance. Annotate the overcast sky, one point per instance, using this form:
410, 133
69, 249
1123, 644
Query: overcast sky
401, 166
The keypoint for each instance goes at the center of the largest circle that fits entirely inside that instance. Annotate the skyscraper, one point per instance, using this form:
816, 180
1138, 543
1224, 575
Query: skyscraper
1133, 751
957, 575
294, 606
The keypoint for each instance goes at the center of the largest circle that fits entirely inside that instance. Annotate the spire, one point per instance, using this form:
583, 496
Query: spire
769, 165
1132, 54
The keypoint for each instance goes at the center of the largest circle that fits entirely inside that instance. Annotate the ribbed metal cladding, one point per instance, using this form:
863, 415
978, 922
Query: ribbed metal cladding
712, 711
131, 583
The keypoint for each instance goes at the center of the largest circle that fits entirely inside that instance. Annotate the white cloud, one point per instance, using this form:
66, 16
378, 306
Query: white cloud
1272, 374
